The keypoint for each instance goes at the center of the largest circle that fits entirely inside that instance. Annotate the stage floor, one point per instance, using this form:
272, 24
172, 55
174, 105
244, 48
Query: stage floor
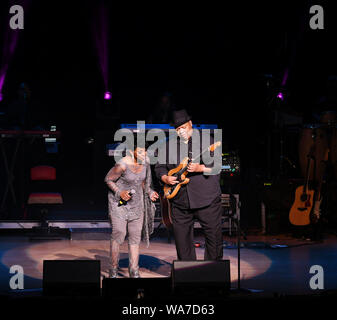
273, 264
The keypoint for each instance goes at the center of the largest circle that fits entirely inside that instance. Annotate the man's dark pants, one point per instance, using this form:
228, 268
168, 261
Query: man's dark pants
210, 220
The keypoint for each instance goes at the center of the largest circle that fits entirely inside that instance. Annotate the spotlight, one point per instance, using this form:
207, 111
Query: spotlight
107, 95
280, 96
1, 96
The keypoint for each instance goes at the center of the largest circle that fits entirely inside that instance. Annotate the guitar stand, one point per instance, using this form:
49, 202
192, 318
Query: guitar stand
318, 228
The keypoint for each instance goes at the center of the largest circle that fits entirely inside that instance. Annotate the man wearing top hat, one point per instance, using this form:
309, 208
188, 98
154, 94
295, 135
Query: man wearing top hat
199, 199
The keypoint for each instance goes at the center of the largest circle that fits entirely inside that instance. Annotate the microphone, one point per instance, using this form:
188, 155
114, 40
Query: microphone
123, 202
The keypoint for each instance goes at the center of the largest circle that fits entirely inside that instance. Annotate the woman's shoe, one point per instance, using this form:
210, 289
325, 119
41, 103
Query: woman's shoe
113, 272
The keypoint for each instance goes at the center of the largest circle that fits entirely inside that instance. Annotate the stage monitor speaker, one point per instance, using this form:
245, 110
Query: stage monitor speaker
190, 276
136, 288
71, 277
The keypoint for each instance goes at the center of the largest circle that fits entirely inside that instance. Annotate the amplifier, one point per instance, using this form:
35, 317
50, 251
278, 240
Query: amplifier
231, 163
192, 276
71, 277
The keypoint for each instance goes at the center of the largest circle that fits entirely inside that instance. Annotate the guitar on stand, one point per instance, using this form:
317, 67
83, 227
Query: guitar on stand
300, 211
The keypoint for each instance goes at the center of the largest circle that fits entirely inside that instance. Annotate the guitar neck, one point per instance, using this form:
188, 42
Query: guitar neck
305, 187
191, 160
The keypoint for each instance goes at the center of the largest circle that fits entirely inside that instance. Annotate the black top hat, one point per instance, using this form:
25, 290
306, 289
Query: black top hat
180, 117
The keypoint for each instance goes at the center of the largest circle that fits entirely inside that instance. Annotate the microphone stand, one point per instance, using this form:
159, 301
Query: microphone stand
236, 220
239, 247
239, 232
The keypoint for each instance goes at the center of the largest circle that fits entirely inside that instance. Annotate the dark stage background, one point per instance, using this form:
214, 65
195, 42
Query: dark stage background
215, 61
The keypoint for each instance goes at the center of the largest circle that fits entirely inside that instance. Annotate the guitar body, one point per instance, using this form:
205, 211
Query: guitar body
181, 172
166, 212
171, 191
300, 211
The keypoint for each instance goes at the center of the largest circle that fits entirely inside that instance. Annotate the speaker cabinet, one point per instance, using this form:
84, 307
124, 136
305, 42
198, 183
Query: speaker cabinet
71, 277
203, 275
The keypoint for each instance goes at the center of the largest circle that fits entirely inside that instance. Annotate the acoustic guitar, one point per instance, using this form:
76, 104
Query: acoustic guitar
170, 191
300, 211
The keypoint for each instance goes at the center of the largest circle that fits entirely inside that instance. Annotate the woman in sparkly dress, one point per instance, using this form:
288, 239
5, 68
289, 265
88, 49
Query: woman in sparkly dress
131, 208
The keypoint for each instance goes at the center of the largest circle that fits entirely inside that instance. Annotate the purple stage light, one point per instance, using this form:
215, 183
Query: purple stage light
1, 96
2, 77
107, 95
280, 96
10, 40
285, 77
